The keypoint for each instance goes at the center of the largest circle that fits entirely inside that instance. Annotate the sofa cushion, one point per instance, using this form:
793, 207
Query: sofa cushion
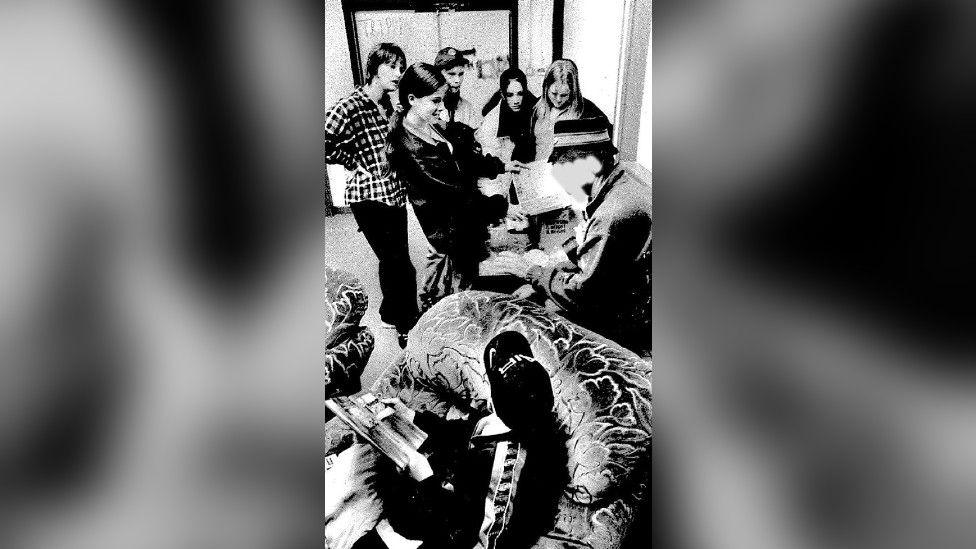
345, 305
345, 361
602, 391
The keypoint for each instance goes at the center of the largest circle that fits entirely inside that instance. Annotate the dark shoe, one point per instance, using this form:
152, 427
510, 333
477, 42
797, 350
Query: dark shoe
402, 339
521, 390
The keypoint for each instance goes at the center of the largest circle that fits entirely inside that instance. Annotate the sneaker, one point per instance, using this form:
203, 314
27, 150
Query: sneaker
402, 339
521, 390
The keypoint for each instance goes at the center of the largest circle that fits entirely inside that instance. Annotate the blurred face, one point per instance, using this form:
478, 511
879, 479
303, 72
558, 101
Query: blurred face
559, 95
578, 176
388, 75
428, 108
514, 93
454, 78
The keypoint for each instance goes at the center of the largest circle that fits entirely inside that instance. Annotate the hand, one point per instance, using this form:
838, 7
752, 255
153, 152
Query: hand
401, 409
516, 221
513, 264
514, 166
418, 467
524, 292
517, 217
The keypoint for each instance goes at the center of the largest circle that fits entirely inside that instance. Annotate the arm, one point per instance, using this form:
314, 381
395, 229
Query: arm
488, 166
338, 137
423, 171
590, 280
467, 145
487, 134
525, 145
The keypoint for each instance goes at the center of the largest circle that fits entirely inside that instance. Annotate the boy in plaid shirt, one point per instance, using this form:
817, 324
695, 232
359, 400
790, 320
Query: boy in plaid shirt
355, 136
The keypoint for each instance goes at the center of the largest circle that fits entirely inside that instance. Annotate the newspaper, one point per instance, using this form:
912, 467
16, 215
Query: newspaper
538, 192
385, 425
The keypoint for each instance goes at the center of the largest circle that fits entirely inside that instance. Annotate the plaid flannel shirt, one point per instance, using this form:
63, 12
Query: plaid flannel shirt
355, 136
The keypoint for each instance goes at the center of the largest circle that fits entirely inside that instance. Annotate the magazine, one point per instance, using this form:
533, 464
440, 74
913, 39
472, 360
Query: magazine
384, 424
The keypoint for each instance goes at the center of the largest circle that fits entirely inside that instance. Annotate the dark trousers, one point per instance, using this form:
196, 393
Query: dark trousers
385, 228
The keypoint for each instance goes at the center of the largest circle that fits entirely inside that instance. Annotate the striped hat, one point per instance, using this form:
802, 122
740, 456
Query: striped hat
583, 133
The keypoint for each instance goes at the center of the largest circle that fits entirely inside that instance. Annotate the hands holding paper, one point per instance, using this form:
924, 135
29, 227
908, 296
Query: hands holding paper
514, 166
516, 220
514, 264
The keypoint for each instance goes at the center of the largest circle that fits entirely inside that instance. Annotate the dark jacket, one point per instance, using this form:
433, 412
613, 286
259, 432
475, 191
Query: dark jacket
525, 149
442, 187
606, 285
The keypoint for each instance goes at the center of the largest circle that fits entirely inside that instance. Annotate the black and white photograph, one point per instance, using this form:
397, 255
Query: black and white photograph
488, 274
378, 274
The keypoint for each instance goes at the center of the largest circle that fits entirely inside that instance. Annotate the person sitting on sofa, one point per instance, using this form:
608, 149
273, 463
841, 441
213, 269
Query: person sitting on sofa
606, 283
485, 481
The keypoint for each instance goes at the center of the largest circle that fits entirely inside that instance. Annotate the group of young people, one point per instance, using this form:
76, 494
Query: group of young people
433, 147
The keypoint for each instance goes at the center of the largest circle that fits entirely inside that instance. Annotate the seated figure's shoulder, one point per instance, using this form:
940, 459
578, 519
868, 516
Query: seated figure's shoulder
625, 203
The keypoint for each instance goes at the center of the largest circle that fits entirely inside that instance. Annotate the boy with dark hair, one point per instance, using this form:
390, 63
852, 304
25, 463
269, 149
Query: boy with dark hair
355, 136
606, 283
457, 109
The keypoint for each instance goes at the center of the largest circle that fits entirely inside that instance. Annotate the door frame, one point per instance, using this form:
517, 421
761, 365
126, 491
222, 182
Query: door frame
350, 7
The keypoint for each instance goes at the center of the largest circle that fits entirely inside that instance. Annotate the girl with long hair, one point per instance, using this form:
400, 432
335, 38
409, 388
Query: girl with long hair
561, 100
440, 169
508, 113
506, 124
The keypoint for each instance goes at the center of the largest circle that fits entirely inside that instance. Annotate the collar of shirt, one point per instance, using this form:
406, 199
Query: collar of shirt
366, 101
601, 188
428, 134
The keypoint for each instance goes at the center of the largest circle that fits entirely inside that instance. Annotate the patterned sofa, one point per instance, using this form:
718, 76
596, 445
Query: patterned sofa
603, 400
347, 344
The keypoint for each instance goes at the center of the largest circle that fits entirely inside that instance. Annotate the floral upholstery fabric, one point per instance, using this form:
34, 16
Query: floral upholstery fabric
347, 344
602, 393
345, 304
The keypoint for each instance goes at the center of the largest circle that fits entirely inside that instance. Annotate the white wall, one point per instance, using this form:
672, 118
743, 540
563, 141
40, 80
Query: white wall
337, 76
593, 32
338, 69
644, 138
535, 40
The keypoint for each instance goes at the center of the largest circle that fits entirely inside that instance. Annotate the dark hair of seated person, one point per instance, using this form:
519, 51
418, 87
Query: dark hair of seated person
606, 155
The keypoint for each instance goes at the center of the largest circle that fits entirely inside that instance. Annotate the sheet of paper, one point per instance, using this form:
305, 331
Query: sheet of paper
538, 192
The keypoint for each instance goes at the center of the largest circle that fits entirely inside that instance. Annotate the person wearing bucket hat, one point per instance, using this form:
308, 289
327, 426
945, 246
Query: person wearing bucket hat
606, 284
457, 109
